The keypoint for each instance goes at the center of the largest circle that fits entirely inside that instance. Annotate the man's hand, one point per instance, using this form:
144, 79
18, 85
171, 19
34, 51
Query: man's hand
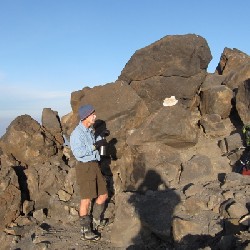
100, 143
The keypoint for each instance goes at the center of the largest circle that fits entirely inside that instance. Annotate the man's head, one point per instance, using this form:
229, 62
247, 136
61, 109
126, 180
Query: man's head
87, 114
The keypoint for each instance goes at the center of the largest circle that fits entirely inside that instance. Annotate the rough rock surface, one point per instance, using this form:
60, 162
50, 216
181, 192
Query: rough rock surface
172, 172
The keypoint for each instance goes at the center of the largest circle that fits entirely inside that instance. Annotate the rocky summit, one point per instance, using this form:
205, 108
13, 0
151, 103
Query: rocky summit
174, 160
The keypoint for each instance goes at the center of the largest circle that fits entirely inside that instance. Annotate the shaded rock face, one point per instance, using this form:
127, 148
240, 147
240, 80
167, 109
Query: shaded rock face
116, 103
139, 217
44, 181
169, 169
173, 126
32, 166
155, 89
143, 166
243, 101
10, 197
51, 122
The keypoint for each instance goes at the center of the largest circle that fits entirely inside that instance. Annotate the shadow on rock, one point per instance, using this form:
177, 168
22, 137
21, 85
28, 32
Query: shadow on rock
110, 154
154, 211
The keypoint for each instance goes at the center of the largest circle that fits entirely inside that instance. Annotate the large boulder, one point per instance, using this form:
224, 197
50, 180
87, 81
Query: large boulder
167, 178
240, 74
172, 66
216, 100
28, 142
155, 89
174, 126
212, 80
179, 55
116, 104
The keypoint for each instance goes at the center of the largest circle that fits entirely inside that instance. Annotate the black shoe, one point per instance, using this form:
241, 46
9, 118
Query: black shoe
99, 224
88, 234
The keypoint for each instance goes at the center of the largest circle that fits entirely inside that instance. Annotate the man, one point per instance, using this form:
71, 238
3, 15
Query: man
91, 182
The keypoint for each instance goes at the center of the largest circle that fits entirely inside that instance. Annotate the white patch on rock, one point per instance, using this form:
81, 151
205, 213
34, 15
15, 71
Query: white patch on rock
170, 101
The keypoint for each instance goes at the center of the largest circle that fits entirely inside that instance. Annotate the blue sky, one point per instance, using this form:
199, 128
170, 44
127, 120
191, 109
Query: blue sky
49, 49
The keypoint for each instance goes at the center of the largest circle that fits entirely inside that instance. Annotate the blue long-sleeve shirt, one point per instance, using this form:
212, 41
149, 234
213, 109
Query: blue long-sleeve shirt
82, 141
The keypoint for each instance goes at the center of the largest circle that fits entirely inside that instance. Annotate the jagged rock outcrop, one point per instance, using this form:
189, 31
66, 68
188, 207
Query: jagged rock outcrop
28, 142
174, 126
51, 122
230, 60
10, 197
198, 213
172, 66
168, 168
34, 172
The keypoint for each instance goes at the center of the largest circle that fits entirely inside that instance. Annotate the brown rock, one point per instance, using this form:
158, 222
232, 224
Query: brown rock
217, 100
243, 101
183, 55
173, 126
27, 141
10, 197
51, 122
230, 60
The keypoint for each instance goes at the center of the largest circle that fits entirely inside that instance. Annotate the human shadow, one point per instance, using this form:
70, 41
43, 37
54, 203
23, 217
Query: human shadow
110, 155
154, 204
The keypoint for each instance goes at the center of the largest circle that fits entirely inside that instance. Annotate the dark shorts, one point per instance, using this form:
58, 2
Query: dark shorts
90, 180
